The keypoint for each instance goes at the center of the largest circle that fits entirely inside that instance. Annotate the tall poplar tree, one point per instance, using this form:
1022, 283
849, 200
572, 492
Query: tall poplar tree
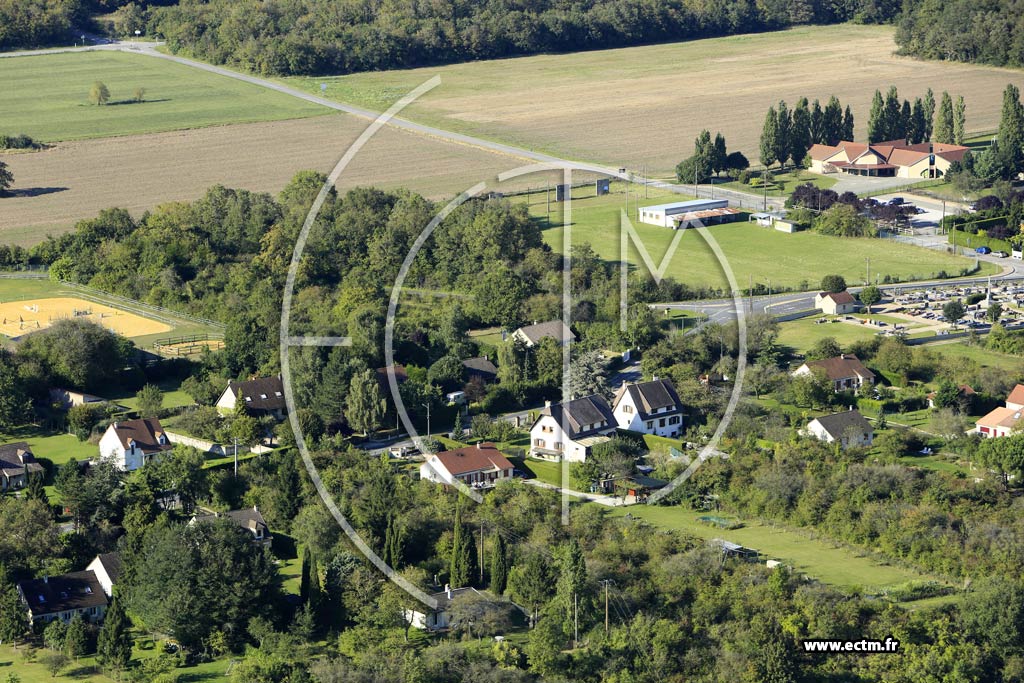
944, 123
114, 642
769, 138
848, 125
832, 121
800, 132
876, 119
1011, 131
959, 120
782, 139
929, 114
817, 129
499, 565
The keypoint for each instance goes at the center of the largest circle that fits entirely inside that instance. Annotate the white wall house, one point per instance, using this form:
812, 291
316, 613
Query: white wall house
531, 335
133, 443
62, 597
849, 428
107, 568
438, 619
846, 372
1003, 421
569, 430
649, 407
479, 466
836, 303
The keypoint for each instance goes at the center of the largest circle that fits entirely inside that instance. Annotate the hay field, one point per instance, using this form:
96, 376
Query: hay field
47, 97
75, 180
25, 316
645, 105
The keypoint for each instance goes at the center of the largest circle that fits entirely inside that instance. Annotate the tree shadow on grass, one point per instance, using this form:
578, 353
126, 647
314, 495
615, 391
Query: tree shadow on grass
81, 671
34, 191
113, 103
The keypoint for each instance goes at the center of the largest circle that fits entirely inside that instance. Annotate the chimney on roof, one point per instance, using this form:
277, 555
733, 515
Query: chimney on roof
547, 404
448, 591
654, 378
46, 579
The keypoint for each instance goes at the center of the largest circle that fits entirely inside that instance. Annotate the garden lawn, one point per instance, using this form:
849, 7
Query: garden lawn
979, 354
815, 557
783, 184
800, 335
85, 670
47, 97
754, 254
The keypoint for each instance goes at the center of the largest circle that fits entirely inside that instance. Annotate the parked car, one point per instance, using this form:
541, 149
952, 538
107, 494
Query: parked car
895, 201
983, 250
919, 210
1000, 254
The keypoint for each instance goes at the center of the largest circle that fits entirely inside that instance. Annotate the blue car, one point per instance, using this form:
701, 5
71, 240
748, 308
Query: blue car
983, 250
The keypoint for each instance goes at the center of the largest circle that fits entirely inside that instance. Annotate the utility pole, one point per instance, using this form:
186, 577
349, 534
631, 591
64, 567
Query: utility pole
764, 185
235, 441
606, 582
427, 404
481, 552
867, 271
575, 621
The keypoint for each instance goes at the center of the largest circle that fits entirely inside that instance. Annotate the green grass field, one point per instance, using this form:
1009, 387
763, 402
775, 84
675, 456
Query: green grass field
86, 670
819, 559
783, 184
981, 355
802, 334
787, 260
47, 97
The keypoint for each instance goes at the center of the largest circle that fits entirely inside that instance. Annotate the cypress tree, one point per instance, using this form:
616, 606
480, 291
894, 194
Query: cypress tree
959, 120
892, 114
817, 132
832, 121
719, 153
394, 539
304, 577
35, 490
769, 138
916, 131
903, 123
876, 119
783, 136
76, 640
929, 114
800, 133
571, 590
944, 123
114, 643
1011, 130
848, 124
460, 571
499, 565
13, 617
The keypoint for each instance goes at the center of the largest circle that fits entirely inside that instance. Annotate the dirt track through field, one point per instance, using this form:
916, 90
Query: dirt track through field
75, 180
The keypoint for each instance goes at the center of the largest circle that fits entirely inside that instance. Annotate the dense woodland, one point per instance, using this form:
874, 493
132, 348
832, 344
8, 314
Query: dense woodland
989, 32
314, 36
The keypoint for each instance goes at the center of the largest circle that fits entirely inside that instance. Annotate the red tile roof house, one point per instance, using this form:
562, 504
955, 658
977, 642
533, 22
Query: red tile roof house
1003, 421
846, 372
133, 443
479, 466
895, 158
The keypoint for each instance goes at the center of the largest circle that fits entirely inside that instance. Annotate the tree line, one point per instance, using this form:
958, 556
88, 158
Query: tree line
293, 37
788, 135
956, 30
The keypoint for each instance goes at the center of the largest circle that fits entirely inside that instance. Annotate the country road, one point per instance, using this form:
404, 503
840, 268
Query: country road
149, 49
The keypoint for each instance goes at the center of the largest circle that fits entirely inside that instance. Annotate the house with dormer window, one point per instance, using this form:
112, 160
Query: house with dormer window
570, 429
649, 408
62, 597
261, 395
133, 443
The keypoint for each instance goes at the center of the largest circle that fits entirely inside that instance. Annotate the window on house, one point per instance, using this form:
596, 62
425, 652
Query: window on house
661, 422
558, 445
248, 399
627, 409
650, 424
263, 396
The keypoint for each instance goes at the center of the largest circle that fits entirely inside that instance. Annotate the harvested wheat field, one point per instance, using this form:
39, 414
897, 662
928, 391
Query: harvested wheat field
18, 318
74, 180
645, 105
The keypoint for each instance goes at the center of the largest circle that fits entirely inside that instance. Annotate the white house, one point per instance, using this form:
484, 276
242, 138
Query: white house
836, 303
848, 428
1003, 421
649, 407
479, 466
107, 568
531, 335
62, 597
262, 396
846, 372
671, 215
569, 430
133, 443
438, 619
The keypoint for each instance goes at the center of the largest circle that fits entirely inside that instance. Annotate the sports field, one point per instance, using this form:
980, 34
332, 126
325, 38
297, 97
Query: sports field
645, 105
755, 254
47, 97
18, 318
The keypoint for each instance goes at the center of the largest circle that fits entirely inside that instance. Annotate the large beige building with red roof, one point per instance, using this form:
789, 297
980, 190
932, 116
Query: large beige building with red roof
895, 158
1003, 421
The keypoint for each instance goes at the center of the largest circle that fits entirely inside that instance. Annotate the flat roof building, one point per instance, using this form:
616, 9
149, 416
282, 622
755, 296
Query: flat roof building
673, 214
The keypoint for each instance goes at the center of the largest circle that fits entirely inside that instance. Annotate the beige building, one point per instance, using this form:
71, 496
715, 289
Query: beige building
836, 303
895, 158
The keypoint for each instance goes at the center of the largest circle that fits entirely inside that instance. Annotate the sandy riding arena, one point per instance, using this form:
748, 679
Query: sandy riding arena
18, 318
